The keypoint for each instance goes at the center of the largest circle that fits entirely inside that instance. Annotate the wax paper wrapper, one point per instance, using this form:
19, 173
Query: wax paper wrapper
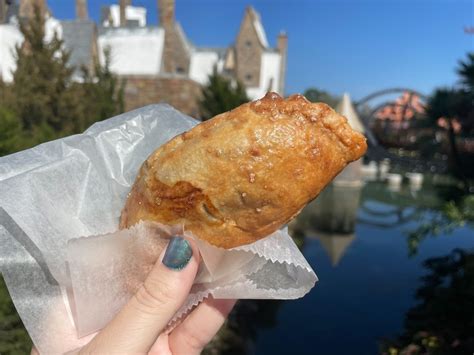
69, 270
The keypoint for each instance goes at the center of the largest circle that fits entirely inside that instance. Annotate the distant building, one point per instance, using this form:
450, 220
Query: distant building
79, 35
403, 109
396, 123
159, 63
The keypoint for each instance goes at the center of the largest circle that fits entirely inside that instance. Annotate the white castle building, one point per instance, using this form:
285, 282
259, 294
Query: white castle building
159, 62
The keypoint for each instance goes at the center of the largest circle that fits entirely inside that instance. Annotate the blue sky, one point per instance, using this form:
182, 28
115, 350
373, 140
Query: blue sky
358, 46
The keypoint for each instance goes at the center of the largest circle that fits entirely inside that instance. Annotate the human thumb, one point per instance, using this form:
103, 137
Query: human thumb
140, 322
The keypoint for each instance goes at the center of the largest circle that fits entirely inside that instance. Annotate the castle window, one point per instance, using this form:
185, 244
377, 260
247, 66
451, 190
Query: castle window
248, 77
248, 43
180, 70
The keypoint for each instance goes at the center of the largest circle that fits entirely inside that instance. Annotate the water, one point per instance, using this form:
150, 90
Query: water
367, 246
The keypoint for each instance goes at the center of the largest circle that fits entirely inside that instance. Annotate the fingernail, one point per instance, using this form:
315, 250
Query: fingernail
178, 253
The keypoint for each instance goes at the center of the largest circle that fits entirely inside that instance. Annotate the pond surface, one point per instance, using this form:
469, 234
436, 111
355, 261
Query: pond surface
368, 246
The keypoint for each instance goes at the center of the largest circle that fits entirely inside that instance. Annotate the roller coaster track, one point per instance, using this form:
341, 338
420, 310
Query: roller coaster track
376, 151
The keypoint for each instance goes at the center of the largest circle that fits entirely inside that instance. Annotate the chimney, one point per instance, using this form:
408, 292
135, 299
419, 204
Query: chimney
123, 8
166, 12
282, 46
81, 10
27, 8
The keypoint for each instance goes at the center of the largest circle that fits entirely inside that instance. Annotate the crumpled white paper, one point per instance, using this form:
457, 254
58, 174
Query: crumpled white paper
54, 197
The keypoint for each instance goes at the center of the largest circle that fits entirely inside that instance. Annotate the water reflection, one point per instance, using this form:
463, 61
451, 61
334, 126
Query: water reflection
241, 329
390, 235
449, 216
443, 320
331, 219
430, 212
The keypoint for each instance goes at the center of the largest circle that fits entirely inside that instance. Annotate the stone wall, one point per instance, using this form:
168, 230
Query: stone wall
176, 58
181, 93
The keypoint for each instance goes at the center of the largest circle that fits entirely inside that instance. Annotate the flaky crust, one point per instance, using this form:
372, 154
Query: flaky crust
243, 174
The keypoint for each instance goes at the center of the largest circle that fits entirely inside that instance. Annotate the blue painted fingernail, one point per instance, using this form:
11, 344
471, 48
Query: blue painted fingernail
178, 253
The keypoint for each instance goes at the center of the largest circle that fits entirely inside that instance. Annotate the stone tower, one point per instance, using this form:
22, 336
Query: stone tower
249, 47
176, 56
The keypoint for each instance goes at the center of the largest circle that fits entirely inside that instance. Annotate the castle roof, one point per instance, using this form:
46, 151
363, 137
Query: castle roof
257, 24
182, 36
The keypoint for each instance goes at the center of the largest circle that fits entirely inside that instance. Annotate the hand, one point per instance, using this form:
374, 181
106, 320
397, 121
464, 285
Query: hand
138, 327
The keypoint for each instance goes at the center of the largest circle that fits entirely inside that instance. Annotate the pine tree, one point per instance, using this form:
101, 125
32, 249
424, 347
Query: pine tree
10, 132
43, 96
41, 80
221, 95
13, 337
103, 92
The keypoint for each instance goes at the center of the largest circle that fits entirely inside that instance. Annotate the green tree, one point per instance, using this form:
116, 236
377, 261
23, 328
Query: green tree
316, 95
458, 103
41, 80
43, 97
221, 95
451, 215
10, 132
13, 337
455, 104
109, 90
442, 321
103, 92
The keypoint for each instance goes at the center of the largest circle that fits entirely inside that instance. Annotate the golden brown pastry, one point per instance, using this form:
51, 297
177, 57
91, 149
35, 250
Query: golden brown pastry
243, 174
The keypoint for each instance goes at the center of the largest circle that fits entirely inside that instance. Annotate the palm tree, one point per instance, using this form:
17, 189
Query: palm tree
456, 105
